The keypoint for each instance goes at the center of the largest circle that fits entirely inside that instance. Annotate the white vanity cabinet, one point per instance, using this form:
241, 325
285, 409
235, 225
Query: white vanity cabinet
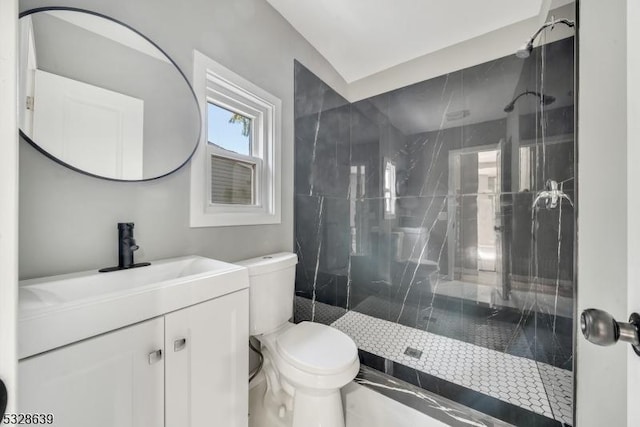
107, 381
207, 363
187, 368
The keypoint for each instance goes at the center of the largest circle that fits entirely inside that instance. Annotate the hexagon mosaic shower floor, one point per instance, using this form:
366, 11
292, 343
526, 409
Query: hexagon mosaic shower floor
536, 386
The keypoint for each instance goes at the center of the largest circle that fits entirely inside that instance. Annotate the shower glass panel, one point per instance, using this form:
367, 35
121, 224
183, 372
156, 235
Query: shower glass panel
424, 233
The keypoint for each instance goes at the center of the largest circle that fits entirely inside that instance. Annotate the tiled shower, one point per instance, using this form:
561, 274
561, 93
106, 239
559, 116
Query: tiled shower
435, 225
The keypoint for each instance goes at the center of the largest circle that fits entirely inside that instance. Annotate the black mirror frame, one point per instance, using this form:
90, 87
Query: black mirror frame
195, 98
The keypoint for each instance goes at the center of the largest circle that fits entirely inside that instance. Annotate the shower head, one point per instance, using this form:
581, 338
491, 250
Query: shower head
545, 99
525, 49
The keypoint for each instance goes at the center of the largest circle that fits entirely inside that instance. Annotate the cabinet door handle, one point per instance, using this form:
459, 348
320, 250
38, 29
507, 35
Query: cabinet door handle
179, 345
155, 356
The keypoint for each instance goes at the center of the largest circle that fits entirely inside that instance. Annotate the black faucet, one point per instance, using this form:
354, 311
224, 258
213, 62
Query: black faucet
126, 247
126, 244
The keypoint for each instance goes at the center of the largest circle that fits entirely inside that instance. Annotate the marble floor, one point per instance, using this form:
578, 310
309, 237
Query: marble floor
372, 400
357, 400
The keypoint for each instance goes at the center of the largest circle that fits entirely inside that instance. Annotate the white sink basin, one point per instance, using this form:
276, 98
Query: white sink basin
58, 310
77, 287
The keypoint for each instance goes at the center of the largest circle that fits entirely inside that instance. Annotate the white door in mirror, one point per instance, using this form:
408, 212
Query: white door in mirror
88, 127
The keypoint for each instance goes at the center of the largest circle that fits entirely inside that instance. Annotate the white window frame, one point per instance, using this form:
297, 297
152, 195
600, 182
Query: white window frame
213, 83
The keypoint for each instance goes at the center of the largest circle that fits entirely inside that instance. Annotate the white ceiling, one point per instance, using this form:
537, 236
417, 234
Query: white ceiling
363, 37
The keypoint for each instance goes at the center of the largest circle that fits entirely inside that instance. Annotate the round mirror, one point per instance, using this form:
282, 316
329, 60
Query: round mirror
101, 98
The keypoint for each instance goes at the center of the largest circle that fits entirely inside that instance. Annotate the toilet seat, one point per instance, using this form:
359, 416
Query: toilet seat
295, 363
317, 349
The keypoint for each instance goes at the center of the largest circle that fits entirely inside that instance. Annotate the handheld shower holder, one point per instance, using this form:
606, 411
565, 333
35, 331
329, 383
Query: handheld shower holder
552, 196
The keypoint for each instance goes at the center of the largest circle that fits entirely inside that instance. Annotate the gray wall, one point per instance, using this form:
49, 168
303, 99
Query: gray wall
68, 220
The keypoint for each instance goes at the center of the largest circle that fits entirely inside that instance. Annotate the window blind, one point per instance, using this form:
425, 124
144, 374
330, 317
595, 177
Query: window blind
231, 181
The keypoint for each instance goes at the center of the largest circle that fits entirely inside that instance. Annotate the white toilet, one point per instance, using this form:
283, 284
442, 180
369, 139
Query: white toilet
305, 364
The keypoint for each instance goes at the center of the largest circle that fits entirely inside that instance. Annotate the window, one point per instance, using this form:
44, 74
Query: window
527, 155
233, 164
235, 173
389, 189
358, 215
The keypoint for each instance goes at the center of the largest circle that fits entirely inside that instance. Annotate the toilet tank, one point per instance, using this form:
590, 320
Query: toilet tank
410, 243
271, 290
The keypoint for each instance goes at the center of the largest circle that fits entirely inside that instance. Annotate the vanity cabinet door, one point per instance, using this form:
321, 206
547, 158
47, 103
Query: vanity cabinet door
116, 379
207, 363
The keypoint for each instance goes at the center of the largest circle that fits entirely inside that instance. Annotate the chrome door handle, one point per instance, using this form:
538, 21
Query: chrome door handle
599, 327
155, 356
179, 345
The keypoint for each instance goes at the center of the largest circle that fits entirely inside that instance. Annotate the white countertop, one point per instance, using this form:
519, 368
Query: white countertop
59, 310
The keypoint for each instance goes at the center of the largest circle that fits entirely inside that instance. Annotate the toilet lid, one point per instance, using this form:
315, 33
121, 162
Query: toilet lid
317, 348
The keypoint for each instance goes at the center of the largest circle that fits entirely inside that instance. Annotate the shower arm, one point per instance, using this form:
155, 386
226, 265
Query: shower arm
525, 50
552, 23
528, 92
544, 99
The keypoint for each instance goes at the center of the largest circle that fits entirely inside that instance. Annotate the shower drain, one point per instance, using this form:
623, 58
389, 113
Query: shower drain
413, 352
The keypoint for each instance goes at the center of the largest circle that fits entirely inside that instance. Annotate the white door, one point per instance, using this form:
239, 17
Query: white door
116, 379
607, 378
633, 208
207, 363
88, 127
8, 197
27, 66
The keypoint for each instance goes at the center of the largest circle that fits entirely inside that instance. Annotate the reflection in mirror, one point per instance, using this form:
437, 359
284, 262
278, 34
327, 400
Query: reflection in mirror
102, 99
389, 189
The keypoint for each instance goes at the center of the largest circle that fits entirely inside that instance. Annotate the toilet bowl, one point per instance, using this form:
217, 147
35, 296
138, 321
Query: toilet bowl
305, 364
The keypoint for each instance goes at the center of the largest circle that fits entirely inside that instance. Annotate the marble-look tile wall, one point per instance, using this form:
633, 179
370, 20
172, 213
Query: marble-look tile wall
416, 206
